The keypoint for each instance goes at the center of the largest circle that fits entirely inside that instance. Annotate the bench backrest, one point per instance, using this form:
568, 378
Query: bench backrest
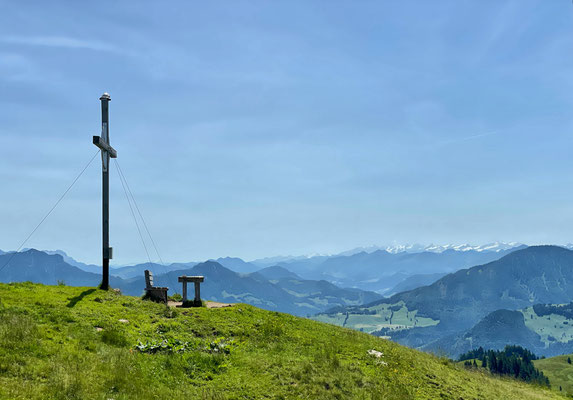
148, 279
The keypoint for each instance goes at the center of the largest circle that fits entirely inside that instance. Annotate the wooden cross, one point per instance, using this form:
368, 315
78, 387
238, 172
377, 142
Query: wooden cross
106, 152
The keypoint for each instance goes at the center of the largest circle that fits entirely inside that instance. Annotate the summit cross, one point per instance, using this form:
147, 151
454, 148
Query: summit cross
107, 152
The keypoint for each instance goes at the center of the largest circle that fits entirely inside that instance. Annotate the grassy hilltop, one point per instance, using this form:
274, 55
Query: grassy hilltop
559, 372
79, 343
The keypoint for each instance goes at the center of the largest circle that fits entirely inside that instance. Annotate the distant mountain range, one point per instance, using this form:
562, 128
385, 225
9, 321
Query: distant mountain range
73, 262
381, 270
385, 270
307, 285
136, 271
237, 265
438, 315
276, 273
50, 269
416, 281
271, 288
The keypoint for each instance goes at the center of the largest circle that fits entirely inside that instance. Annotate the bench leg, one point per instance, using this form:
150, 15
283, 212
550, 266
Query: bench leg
197, 293
184, 292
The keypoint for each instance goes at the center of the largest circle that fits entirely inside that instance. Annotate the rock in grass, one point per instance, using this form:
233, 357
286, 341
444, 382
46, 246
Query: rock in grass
375, 353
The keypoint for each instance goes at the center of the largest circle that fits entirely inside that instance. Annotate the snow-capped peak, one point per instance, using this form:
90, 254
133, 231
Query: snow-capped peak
494, 247
439, 248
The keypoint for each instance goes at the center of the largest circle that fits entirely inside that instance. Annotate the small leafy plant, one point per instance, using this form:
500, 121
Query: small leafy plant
176, 297
165, 345
220, 346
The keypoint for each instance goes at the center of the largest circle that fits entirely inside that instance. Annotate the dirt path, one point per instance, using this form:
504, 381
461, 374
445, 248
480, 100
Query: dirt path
210, 304
214, 304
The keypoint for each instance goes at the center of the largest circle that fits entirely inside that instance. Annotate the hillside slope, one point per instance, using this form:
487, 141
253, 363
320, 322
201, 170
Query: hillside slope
545, 329
48, 334
494, 332
559, 372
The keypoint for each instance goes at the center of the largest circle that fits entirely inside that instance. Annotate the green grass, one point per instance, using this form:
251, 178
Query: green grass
559, 372
61, 342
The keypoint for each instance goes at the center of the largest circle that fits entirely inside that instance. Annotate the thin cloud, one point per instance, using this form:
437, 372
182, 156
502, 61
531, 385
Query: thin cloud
549, 118
59, 41
466, 138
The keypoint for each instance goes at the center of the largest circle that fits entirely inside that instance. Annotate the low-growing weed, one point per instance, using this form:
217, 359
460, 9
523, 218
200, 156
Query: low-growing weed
114, 337
166, 346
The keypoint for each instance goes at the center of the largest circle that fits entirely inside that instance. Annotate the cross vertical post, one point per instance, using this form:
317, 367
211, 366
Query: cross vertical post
103, 143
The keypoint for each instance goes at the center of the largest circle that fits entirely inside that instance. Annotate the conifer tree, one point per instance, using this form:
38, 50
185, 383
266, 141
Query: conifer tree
512, 360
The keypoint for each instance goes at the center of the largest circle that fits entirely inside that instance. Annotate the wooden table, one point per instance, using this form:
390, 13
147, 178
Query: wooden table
197, 281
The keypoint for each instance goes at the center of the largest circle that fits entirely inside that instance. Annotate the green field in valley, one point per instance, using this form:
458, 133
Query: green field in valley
372, 319
551, 328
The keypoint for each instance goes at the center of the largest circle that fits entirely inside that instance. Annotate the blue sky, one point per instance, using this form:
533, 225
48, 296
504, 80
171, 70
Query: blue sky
254, 129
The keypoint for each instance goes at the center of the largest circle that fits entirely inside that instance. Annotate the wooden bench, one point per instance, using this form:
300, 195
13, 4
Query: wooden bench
197, 281
154, 293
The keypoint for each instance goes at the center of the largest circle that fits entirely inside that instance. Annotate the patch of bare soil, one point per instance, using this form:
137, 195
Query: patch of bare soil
210, 304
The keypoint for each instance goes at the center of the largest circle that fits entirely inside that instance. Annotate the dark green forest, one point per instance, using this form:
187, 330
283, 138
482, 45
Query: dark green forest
513, 361
565, 310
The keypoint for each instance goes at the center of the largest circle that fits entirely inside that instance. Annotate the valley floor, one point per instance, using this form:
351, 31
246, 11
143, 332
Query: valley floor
81, 343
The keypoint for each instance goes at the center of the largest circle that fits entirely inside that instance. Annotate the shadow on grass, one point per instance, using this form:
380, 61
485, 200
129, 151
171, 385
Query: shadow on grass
74, 300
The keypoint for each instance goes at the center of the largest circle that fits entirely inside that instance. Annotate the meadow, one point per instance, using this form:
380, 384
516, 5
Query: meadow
64, 342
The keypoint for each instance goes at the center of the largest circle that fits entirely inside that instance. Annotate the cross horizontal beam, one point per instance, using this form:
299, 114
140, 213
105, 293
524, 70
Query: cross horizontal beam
104, 146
